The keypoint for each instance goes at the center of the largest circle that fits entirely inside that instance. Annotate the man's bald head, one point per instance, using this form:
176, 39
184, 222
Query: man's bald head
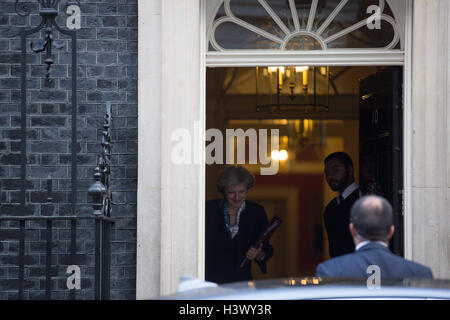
372, 218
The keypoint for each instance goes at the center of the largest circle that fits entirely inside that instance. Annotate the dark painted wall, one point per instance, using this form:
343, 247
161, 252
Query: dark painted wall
107, 71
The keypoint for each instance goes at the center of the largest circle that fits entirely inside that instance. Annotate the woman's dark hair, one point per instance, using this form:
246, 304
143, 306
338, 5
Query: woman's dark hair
232, 176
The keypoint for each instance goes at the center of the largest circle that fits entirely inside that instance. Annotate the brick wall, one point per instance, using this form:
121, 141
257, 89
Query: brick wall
107, 71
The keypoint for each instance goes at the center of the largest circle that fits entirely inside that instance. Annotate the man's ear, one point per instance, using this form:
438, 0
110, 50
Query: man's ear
391, 232
351, 227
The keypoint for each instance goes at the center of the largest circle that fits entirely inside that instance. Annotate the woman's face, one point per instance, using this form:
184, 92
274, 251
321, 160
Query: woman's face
235, 195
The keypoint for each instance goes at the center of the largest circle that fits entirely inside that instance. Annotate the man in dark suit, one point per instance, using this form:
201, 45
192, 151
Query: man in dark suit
340, 178
371, 228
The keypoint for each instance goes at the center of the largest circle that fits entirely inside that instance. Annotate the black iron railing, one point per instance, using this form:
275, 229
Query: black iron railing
100, 192
102, 201
102, 252
48, 12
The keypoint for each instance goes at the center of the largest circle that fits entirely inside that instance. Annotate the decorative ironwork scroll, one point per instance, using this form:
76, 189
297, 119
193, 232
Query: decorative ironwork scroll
48, 12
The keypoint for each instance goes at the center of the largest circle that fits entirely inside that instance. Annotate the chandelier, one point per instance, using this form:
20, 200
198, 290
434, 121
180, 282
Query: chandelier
292, 87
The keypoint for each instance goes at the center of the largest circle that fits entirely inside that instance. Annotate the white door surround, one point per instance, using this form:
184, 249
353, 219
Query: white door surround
172, 65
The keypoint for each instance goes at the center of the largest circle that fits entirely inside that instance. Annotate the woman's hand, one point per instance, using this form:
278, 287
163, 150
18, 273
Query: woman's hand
255, 253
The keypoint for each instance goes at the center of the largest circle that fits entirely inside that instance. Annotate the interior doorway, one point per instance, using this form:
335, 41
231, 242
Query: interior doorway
358, 111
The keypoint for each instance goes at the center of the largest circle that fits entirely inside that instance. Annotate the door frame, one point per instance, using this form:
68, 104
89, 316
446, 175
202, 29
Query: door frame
332, 57
165, 249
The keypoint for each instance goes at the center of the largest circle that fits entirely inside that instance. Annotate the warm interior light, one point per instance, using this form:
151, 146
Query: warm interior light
291, 86
308, 126
288, 73
283, 155
275, 155
301, 68
280, 77
280, 155
305, 79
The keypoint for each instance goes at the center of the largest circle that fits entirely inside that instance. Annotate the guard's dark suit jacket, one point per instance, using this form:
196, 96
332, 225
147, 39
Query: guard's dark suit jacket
224, 254
354, 265
337, 219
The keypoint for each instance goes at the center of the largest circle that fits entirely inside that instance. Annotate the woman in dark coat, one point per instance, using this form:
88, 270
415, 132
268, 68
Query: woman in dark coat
233, 226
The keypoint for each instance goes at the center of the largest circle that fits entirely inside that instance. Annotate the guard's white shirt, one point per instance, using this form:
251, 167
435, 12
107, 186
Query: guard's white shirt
348, 191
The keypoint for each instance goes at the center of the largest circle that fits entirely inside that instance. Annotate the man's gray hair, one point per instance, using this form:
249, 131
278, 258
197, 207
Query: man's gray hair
372, 217
234, 175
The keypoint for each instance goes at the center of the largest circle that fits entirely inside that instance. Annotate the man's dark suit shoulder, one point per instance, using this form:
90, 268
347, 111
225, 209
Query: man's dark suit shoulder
354, 265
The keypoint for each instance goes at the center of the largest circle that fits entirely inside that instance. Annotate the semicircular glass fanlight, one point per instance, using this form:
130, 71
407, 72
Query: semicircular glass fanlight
303, 25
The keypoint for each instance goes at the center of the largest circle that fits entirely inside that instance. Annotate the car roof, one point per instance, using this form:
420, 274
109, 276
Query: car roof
318, 288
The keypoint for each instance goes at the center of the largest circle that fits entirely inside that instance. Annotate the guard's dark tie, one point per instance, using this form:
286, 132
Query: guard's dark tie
341, 199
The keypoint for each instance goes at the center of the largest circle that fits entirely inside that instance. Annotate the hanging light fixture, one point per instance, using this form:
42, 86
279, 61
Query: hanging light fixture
281, 88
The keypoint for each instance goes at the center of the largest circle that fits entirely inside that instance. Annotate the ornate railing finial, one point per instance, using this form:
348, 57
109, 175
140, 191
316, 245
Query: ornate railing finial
102, 198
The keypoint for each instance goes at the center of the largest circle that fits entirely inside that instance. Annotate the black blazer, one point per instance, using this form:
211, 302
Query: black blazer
223, 254
354, 265
337, 219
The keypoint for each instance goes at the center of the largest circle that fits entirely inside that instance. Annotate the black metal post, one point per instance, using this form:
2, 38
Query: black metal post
73, 35
23, 123
23, 112
21, 258
73, 249
106, 253
74, 122
48, 12
48, 262
98, 258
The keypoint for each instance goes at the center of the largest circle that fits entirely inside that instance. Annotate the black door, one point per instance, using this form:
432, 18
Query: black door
381, 142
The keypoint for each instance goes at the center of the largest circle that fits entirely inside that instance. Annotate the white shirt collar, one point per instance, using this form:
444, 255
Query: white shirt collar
362, 244
349, 190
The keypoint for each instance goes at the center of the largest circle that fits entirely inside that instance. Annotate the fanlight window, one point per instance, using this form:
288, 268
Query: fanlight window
303, 25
